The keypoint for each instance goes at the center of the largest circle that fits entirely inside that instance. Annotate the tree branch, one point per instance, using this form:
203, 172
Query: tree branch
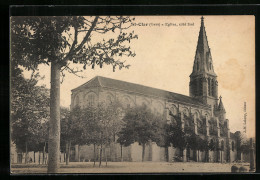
87, 35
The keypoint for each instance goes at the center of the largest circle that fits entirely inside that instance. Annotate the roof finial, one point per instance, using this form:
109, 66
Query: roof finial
220, 97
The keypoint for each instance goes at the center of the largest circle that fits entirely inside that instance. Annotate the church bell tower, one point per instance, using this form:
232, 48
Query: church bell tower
203, 80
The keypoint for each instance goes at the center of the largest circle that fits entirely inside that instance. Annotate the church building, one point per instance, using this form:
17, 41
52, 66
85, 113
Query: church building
202, 110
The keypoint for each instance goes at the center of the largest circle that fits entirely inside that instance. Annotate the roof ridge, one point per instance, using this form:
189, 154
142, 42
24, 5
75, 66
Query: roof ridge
144, 86
89, 81
139, 88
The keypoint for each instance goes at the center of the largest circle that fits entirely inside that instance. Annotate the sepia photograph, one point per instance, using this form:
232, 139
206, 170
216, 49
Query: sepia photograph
132, 94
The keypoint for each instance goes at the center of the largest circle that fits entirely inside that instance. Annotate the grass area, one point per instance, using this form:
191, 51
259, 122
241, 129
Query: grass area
127, 167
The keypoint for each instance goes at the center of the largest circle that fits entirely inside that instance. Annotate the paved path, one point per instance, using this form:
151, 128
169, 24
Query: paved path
128, 167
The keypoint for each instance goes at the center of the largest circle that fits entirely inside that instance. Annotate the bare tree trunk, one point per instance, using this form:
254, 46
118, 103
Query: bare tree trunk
26, 153
105, 155
43, 155
166, 154
68, 153
121, 153
198, 155
143, 152
94, 155
54, 123
100, 157
33, 156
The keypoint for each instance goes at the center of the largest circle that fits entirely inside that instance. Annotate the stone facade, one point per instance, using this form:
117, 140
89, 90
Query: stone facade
202, 106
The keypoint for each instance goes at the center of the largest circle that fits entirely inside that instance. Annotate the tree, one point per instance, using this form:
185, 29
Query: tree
57, 41
109, 117
141, 126
162, 139
29, 111
176, 135
193, 141
91, 132
72, 128
203, 145
239, 141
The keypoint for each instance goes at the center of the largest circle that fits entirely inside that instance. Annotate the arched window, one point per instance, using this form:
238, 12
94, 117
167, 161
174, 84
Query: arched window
76, 101
212, 88
198, 65
209, 87
200, 87
126, 103
211, 141
233, 146
194, 87
222, 145
174, 111
109, 100
91, 100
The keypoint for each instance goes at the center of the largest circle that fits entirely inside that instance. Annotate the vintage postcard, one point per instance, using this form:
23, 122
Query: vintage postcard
132, 94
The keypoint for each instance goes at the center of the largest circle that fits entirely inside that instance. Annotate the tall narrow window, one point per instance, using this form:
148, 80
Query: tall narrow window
126, 102
201, 87
194, 87
109, 100
212, 88
209, 91
222, 145
91, 100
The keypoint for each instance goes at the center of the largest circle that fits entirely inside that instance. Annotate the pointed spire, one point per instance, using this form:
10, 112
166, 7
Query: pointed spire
221, 106
202, 41
203, 60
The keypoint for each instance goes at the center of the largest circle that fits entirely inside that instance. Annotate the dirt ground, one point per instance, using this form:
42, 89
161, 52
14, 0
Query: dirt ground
127, 167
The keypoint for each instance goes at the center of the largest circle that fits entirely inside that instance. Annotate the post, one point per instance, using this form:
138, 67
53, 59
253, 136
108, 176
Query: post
143, 151
26, 152
121, 146
77, 153
184, 159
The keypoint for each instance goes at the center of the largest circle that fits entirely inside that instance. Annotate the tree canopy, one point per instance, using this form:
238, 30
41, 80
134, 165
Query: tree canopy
46, 39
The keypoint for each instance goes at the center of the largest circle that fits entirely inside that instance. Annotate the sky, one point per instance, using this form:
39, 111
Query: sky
165, 54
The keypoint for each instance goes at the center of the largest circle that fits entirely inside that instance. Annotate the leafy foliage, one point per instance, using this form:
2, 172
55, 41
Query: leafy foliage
29, 111
176, 136
141, 126
45, 39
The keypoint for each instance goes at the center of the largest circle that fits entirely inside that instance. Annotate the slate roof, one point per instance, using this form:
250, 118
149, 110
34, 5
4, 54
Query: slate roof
100, 81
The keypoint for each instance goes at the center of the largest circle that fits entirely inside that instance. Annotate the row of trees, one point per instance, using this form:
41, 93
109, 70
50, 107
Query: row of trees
104, 124
95, 126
